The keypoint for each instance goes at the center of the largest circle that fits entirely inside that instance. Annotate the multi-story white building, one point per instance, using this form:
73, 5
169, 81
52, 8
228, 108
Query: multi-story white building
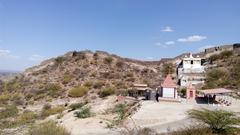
191, 70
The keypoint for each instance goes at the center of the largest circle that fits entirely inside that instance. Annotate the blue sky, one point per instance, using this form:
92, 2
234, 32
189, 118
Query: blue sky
33, 30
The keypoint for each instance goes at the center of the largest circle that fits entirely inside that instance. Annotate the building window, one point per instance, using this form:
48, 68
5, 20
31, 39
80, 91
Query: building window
191, 61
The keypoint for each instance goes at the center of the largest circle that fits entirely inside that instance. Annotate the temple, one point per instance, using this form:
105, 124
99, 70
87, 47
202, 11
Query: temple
169, 88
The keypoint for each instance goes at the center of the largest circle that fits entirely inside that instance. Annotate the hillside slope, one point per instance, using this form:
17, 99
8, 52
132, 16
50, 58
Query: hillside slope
224, 70
97, 70
94, 70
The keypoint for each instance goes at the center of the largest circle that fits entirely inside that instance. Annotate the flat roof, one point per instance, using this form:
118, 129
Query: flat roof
215, 91
197, 59
140, 85
140, 88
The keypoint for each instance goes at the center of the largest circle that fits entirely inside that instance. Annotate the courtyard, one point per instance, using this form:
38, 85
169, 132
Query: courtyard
168, 116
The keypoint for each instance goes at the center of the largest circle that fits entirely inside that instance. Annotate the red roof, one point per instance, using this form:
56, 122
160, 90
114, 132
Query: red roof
168, 82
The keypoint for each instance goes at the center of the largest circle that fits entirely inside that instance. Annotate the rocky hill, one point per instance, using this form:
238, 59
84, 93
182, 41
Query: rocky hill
76, 68
224, 70
96, 70
85, 68
85, 82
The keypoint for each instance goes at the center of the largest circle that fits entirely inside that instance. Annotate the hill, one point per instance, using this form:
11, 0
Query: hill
98, 70
58, 87
95, 70
224, 70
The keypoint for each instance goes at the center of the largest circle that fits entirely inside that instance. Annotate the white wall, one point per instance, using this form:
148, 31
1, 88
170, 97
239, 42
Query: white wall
196, 64
186, 83
168, 92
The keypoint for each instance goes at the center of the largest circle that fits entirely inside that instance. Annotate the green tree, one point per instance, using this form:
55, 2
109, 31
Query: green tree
219, 121
168, 68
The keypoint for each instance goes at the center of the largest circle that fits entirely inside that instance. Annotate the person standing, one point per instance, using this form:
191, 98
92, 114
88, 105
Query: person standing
157, 96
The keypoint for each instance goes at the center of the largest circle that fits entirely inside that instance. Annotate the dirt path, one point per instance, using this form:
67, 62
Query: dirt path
172, 126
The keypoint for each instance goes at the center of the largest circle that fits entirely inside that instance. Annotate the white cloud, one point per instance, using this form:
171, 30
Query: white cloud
205, 47
170, 43
7, 54
149, 58
158, 44
194, 38
36, 57
166, 44
167, 29
4, 52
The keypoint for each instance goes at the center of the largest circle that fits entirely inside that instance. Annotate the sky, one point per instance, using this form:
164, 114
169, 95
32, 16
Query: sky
35, 30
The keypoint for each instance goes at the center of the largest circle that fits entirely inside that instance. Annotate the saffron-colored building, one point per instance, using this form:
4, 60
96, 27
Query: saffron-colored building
191, 92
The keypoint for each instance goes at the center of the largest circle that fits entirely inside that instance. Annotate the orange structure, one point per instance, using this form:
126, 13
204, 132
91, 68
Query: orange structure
191, 92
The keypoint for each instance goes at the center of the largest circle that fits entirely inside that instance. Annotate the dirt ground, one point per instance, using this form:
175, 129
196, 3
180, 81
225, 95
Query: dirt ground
159, 116
165, 116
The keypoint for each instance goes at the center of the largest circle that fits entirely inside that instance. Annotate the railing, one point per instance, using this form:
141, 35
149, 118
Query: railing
199, 70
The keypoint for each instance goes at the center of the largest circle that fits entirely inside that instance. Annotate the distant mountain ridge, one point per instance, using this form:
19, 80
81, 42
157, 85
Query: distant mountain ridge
4, 71
7, 74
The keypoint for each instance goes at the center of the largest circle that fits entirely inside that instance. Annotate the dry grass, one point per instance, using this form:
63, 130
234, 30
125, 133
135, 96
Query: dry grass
78, 92
48, 110
48, 128
107, 91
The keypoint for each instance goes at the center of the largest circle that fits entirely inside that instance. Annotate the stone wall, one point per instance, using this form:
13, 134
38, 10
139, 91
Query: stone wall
218, 49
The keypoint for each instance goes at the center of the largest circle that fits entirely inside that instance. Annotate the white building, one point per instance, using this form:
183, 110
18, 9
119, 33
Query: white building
191, 70
169, 88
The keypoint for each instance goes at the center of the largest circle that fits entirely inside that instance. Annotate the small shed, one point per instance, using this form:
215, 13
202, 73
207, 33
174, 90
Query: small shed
138, 90
211, 94
169, 88
221, 91
191, 92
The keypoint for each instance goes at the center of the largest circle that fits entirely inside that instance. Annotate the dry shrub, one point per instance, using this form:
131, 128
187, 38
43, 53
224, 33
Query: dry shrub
83, 112
48, 110
67, 77
27, 117
9, 111
193, 130
4, 98
88, 84
98, 84
78, 92
108, 60
107, 91
48, 128
76, 106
